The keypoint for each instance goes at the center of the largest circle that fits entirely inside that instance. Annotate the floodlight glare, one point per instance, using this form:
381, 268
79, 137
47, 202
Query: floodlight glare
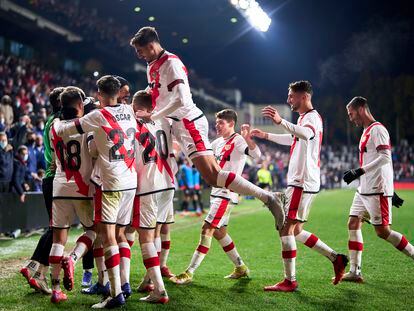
254, 14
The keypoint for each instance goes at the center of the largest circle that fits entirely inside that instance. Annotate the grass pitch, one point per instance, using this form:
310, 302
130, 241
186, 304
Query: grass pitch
388, 273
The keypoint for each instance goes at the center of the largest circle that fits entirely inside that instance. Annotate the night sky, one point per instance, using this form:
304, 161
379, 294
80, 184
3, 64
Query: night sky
326, 42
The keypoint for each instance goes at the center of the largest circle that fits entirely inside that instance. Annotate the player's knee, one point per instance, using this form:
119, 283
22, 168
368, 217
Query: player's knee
382, 232
353, 223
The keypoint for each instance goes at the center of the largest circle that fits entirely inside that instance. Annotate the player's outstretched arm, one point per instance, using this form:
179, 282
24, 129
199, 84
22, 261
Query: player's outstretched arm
305, 132
252, 149
281, 139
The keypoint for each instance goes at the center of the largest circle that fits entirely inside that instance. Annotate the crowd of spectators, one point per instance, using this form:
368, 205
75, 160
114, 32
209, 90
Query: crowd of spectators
24, 90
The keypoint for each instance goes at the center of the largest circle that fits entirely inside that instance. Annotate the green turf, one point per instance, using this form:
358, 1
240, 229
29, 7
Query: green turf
388, 273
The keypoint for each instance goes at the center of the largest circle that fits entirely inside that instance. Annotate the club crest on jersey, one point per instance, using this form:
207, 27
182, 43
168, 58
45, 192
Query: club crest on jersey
227, 147
154, 74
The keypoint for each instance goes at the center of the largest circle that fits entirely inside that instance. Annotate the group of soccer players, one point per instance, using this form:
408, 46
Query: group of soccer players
115, 168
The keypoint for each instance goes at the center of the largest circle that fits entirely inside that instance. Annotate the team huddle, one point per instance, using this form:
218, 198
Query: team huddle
114, 169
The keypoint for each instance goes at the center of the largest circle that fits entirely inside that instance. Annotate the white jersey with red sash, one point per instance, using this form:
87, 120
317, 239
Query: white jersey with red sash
163, 75
231, 154
380, 180
114, 130
304, 163
155, 168
73, 165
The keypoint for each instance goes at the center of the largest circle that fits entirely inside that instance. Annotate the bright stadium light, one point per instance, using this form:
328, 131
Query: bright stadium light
254, 14
95, 74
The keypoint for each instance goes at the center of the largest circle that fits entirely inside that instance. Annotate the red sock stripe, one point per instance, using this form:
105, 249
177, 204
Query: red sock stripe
165, 244
130, 243
112, 261
85, 240
294, 203
98, 252
289, 254
230, 179
403, 243
355, 246
55, 259
229, 247
202, 249
151, 262
125, 252
311, 241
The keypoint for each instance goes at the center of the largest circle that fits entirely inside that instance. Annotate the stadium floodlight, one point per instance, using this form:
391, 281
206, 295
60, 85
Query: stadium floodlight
253, 13
95, 74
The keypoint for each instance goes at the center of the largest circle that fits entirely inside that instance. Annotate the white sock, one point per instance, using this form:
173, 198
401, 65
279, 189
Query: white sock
165, 249
157, 244
313, 242
231, 251
83, 244
55, 257
125, 266
152, 264
289, 256
130, 238
401, 243
240, 185
112, 261
200, 253
355, 247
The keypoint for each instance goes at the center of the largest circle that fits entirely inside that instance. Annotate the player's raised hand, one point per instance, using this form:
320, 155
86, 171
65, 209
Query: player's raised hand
272, 113
258, 133
245, 131
141, 114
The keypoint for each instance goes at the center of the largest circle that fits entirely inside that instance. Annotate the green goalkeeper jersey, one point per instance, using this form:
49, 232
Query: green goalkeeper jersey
50, 170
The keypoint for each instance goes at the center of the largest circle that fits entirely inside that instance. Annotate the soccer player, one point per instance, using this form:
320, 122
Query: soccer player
305, 139
71, 193
155, 191
376, 188
171, 97
231, 150
114, 128
36, 269
124, 94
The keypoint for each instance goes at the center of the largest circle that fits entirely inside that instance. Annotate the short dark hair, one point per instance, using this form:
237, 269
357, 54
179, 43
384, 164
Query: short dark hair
69, 97
357, 102
228, 115
301, 86
54, 98
109, 85
144, 36
6, 100
122, 80
143, 98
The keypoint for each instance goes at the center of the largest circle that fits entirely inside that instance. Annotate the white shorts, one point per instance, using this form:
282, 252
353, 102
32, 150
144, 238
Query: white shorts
145, 211
219, 212
114, 207
64, 212
298, 203
165, 203
193, 136
378, 207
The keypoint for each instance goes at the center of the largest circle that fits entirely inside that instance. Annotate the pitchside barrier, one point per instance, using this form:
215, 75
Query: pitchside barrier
32, 214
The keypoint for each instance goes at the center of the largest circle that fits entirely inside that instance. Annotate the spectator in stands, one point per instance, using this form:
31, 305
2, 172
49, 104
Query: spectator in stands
6, 163
40, 153
3, 126
19, 130
30, 144
19, 183
7, 110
